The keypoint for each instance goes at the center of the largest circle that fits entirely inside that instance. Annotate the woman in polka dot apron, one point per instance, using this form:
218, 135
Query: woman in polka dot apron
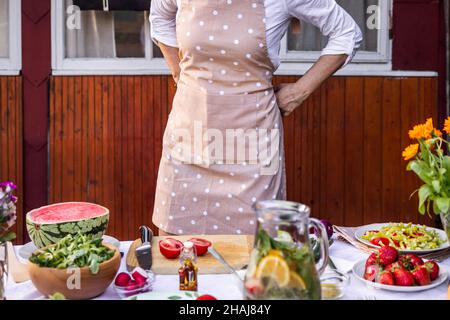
223, 145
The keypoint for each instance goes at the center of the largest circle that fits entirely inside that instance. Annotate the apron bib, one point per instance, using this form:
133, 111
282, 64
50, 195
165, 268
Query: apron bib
223, 145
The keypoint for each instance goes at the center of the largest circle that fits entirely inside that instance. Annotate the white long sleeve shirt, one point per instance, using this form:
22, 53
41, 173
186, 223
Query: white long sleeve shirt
333, 21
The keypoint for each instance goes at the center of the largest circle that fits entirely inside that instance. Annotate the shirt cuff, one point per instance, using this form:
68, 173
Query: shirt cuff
168, 41
344, 46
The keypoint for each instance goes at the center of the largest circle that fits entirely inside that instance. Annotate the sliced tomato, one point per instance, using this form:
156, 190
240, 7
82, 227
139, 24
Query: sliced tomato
201, 245
380, 241
170, 248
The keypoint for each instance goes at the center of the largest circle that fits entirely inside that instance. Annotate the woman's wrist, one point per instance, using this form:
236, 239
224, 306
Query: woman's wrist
302, 90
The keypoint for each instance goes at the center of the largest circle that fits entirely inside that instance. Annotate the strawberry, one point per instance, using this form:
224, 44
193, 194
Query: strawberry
206, 297
410, 261
371, 272
421, 275
387, 255
391, 267
385, 277
403, 277
433, 269
373, 259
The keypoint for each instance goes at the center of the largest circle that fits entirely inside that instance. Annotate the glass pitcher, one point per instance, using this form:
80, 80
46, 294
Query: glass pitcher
282, 264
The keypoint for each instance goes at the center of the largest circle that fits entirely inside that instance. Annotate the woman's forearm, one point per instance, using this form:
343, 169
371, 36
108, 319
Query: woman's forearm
291, 96
325, 67
171, 54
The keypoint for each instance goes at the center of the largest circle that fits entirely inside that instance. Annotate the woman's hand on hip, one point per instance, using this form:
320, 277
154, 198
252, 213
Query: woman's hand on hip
289, 97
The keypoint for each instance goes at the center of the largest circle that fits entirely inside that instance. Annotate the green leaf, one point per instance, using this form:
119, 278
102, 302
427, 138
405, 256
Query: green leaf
420, 168
436, 186
188, 294
57, 296
174, 298
8, 237
94, 266
424, 193
443, 204
446, 165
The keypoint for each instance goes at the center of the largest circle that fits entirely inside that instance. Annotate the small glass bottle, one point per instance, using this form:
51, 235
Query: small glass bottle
188, 270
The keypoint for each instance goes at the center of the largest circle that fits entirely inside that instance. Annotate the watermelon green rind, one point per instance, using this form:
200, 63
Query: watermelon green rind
44, 234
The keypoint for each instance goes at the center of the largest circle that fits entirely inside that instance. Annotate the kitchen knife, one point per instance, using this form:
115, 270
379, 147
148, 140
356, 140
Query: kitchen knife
219, 258
144, 251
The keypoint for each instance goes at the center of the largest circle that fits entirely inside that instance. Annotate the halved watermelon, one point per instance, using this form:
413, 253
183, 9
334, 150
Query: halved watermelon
49, 224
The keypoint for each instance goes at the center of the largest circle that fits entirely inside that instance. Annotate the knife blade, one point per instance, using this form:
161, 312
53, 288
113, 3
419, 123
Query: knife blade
219, 258
143, 253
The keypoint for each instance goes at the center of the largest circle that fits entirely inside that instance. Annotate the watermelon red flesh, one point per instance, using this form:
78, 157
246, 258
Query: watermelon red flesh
49, 224
66, 212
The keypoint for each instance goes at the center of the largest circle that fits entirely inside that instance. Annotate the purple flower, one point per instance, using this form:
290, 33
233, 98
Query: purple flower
7, 184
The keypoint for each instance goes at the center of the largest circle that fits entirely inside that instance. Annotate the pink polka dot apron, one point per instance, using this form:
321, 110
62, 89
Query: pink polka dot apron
212, 171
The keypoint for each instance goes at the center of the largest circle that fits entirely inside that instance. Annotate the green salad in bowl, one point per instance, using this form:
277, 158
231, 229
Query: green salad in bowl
405, 236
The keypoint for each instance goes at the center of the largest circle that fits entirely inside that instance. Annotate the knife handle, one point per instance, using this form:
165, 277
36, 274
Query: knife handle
146, 234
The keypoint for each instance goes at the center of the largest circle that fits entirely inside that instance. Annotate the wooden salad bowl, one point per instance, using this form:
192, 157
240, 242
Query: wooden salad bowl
50, 280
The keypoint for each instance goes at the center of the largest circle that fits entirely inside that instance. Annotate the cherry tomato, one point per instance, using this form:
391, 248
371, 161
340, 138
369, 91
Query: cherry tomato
380, 241
201, 245
170, 248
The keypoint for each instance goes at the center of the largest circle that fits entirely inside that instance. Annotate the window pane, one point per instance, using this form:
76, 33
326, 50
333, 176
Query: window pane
306, 37
99, 34
4, 29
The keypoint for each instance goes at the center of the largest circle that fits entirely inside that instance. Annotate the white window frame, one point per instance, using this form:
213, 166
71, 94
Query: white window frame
13, 64
364, 62
292, 63
98, 66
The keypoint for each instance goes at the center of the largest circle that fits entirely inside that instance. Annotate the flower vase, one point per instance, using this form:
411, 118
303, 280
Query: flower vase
445, 219
3, 270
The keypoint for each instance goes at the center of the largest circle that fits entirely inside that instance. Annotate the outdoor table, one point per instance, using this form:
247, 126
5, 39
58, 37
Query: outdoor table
226, 286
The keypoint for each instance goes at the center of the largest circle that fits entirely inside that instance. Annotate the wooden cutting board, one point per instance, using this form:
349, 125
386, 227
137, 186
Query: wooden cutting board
234, 249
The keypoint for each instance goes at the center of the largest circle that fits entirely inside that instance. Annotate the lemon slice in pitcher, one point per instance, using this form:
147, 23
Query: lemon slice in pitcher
274, 267
296, 281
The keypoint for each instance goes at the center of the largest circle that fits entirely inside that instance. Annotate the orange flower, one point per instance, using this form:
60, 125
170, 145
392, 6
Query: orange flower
423, 131
410, 152
447, 125
419, 132
438, 132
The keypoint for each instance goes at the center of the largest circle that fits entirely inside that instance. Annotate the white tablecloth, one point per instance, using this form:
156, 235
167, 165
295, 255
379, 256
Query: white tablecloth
227, 286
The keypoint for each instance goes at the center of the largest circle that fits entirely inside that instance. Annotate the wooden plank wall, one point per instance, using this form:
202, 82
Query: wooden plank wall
11, 158
343, 146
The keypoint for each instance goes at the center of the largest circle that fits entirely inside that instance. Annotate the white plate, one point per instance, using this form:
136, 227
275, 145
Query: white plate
28, 249
179, 295
359, 268
377, 226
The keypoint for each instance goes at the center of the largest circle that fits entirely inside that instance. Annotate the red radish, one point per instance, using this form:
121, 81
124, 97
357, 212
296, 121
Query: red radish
122, 279
139, 275
133, 285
